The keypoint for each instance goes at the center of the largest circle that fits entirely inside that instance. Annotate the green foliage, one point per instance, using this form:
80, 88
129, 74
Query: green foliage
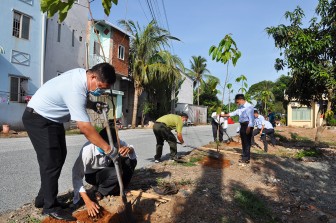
252, 205
243, 80
62, 7
225, 51
308, 153
208, 95
192, 161
308, 52
98, 128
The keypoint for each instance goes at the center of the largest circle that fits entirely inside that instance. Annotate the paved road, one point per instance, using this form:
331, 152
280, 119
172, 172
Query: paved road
20, 181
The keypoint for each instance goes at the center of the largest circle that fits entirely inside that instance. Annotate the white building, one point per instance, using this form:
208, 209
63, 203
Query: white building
22, 39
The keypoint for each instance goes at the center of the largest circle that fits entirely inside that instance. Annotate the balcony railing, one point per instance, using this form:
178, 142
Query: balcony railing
95, 59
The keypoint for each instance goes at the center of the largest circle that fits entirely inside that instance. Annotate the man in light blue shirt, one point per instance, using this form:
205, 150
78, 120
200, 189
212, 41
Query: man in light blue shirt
258, 120
60, 100
246, 119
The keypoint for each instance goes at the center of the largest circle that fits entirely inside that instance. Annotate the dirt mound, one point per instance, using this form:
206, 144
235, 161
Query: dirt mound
82, 216
219, 163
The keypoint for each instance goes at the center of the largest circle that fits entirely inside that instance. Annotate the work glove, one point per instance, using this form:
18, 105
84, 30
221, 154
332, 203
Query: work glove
99, 106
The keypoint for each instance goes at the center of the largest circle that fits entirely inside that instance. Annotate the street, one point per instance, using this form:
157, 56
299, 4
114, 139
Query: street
20, 180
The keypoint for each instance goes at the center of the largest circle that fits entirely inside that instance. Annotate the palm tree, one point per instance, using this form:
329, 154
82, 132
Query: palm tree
265, 96
198, 71
147, 60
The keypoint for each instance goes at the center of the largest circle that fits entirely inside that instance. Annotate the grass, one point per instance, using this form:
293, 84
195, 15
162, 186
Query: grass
185, 182
27, 219
192, 161
252, 205
72, 132
308, 153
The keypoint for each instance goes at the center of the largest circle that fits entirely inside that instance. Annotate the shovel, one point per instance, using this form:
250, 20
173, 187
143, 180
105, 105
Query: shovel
125, 210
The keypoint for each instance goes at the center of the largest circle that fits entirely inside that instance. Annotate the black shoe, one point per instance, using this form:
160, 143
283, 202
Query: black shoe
243, 161
60, 214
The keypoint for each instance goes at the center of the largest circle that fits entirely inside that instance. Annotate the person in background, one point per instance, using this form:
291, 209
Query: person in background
271, 117
245, 112
162, 130
267, 130
99, 171
258, 120
217, 126
60, 100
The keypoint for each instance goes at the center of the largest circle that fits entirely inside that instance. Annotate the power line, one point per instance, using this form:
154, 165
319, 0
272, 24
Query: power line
143, 10
165, 14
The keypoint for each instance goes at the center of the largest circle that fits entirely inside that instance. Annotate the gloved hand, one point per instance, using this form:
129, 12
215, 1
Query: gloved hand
99, 106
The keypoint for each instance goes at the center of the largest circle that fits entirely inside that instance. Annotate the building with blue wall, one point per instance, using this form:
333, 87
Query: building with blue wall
22, 39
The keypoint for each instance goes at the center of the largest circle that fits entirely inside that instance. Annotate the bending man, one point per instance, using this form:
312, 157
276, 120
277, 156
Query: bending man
162, 130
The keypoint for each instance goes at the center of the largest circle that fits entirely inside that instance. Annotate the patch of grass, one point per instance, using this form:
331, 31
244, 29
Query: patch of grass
252, 205
281, 137
308, 153
160, 181
72, 132
192, 161
185, 182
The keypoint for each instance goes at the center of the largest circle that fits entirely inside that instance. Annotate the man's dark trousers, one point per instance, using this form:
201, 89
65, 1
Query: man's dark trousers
162, 133
246, 140
48, 139
270, 133
106, 179
254, 133
215, 129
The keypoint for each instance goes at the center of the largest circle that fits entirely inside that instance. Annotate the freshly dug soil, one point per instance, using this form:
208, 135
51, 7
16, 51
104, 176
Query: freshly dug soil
218, 163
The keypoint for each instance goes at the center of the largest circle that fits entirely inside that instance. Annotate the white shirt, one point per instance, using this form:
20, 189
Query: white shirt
245, 113
221, 119
90, 160
267, 125
259, 121
63, 98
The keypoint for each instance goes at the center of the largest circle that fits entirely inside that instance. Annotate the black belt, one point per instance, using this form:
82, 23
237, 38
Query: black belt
31, 110
244, 123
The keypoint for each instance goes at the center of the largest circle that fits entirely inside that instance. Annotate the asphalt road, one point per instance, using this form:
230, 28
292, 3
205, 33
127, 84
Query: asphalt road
20, 180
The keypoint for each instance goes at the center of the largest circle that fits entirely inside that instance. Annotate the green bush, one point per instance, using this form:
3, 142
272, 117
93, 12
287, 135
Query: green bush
308, 153
331, 122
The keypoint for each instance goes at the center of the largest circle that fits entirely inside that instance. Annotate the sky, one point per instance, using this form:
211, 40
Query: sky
200, 24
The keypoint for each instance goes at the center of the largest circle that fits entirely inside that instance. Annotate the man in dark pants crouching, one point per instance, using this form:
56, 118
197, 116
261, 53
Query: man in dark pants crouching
245, 112
162, 130
98, 170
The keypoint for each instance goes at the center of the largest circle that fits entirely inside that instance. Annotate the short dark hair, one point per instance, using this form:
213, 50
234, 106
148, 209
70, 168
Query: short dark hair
256, 111
103, 133
239, 96
184, 114
105, 72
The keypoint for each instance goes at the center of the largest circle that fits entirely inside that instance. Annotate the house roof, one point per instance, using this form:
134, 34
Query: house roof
113, 26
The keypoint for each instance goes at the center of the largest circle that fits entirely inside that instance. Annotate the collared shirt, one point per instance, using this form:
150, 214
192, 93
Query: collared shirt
259, 121
222, 120
172, 121
63, 98
245, 113
90, 160
267, 125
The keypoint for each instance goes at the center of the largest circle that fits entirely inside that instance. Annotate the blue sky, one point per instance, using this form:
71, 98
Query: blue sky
200, 24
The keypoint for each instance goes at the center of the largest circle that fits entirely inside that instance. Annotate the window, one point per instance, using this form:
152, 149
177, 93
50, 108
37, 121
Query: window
21, 25
121, 52
59, 29
73, 38
301, 114
18, 88
96, 48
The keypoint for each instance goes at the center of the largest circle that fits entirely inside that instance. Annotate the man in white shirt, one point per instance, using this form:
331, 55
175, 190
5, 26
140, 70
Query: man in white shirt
267, 130
98, 170
246, 119
217, 123
258, 120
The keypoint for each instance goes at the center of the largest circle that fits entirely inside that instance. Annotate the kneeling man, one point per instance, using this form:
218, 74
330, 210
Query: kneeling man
98, 170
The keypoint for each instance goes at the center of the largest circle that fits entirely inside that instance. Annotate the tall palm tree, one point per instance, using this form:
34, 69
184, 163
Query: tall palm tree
265, 96
198, 71
147, 59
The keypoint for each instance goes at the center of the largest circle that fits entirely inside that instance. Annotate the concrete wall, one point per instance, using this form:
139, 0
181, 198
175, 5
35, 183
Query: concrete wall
62, 56
311, 123
196, 114
28, 61
186, 92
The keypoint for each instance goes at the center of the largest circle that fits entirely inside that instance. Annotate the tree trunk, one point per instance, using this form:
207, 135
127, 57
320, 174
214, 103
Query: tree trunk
135, 106
225, 82
320, 128
198, 92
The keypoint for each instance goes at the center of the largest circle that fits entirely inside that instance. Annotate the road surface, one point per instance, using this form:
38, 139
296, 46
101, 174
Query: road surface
20, 180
